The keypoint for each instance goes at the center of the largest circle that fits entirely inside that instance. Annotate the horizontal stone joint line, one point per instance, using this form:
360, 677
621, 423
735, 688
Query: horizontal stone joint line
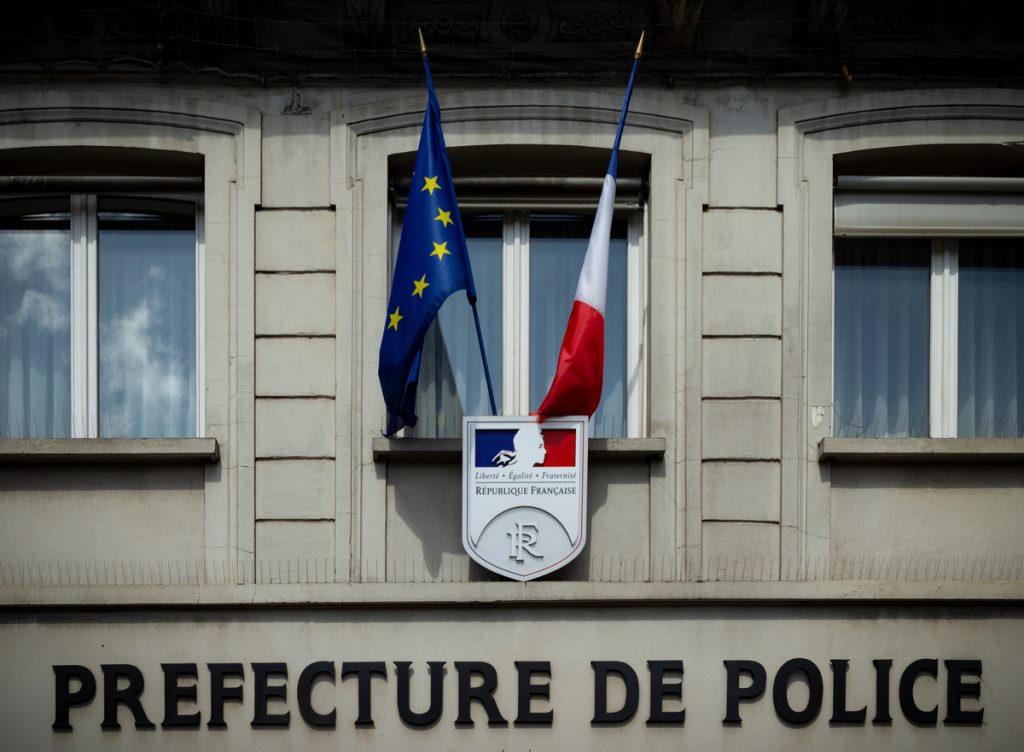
261, 208
762, 461
707, 208
272, 457
290, 396
293, 272
296, 336
777, 337
745, 335
295, 396
740, 459
276, 458
743, 398
743, 521
740, 274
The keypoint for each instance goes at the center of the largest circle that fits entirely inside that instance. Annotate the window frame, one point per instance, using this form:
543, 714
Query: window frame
810, 137
228, 139
515, 315
84, 305
942, 339
931, 193
672, 138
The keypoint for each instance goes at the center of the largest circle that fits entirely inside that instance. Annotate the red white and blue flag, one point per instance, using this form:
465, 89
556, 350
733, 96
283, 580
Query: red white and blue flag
493, 446
576, 388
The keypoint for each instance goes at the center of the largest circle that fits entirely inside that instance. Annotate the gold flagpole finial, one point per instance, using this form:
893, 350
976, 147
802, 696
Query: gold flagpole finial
640, 46
423, 45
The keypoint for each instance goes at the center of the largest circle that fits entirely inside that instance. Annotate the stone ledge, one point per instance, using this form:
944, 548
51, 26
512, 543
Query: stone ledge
129, 451
893, 594
920, 450
450, 450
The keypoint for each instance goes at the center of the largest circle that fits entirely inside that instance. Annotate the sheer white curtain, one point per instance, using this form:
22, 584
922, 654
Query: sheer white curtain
558, 244
451, 376
35, 313
881, 337
452, 382
990, 347
147, 318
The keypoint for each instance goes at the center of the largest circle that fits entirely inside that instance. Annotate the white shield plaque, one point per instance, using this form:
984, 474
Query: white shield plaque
524, 500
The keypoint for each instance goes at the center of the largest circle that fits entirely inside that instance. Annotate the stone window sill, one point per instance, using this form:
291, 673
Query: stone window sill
450, 450
920, 450
127, 451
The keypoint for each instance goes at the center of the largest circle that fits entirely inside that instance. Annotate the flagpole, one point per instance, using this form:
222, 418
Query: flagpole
579, 373
613, 164
470, 294
483, 356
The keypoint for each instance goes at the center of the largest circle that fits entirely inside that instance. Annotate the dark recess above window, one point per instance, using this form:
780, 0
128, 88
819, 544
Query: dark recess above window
531, 176
96, 169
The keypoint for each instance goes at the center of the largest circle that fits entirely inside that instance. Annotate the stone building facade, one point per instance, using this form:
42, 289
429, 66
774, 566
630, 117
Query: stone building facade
789, 582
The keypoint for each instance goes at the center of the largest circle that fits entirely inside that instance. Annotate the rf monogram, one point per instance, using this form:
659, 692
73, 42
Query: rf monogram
521, 541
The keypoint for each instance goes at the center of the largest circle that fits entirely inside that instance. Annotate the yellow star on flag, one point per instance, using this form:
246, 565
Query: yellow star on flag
430, 185
394, 319
420, 284
440, 249
444, 217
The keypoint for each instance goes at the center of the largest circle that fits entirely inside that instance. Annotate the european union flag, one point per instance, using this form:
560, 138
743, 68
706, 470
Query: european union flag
433, 262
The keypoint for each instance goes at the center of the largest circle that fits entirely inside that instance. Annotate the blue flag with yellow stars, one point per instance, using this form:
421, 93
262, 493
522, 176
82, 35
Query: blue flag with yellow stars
432, 263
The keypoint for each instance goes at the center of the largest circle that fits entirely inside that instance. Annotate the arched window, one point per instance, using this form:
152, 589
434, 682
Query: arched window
929, 292
528, 213
100, 252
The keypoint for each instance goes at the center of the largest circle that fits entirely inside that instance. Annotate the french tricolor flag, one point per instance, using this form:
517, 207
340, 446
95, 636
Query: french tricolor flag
576, 388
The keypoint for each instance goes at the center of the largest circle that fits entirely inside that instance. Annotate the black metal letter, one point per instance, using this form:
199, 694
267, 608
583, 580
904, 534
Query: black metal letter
528, 690
625, 672
883, 666
219, 694
173, 692
403, 674
956, 690
734, 692
129, 696
914, 714
482, 693
839, 712
780, 691
364, 670
263, 693
64, 699
304, 694
660, 690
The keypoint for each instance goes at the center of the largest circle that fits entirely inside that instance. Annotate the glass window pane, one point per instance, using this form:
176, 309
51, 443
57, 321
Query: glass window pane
558, 244
452, 382
881, 337
35, 319
990, 343
147, 318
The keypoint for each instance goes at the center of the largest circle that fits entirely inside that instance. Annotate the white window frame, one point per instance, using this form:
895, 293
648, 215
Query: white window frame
515, 398
811, 137
85, 319
942, 344
229, 139
515, 271
943, 210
